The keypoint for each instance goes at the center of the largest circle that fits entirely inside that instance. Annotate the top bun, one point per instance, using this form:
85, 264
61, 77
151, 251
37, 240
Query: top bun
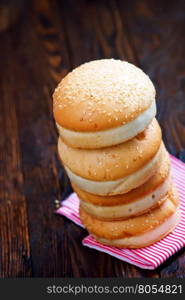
102, 94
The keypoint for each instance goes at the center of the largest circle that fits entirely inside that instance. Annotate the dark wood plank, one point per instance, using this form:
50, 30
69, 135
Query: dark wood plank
37, 74
155, 30
14, 235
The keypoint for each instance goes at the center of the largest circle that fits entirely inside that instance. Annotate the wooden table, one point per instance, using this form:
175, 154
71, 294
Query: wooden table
38, 47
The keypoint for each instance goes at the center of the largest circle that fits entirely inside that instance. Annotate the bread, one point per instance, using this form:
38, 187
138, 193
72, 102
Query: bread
103, 103
138, 231
116, 169
138, 201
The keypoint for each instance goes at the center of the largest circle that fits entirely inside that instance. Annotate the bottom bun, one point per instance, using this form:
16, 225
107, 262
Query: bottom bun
136, 232
147, 238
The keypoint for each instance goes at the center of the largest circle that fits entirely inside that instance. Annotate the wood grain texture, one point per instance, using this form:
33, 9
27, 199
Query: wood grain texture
14, 236
48, 40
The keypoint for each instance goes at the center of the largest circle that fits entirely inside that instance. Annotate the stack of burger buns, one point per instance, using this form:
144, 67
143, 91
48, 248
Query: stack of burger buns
111, 147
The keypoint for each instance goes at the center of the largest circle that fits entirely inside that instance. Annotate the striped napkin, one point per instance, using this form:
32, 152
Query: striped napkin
149, 257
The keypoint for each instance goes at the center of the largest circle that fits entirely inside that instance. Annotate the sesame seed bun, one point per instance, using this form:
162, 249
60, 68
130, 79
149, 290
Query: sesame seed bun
113, 162
116, 169
138, 231
149, 195
109, 137
121, 185
101, 95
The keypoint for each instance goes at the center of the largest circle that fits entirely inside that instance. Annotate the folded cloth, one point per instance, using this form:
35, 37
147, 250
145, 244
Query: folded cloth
148, 257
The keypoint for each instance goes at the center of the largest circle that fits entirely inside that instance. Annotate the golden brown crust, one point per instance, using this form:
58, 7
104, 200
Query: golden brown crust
131, 227
134, 195
102, 94
113, 162
132, 246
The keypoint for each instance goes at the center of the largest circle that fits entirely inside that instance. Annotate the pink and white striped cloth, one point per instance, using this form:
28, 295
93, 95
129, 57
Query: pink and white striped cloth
149, 257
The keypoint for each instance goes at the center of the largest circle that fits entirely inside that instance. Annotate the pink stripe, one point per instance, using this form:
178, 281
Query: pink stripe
175, 163
150, 255
174, 159
110, 251
178, 168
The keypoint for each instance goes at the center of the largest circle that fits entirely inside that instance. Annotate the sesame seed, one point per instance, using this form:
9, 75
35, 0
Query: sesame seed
104, 84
